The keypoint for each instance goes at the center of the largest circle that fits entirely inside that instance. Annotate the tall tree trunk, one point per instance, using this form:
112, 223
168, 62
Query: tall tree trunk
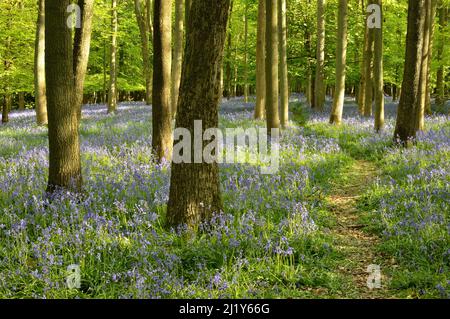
64, 146
341, 62
319, 96
362, 83
177, 55
194, 187
260, 62
39, 67
246, 54
162, 60
144, 32
440, 86
368, 70
82, 44
229, 54
112, 92
272, 60
405, 128
284, 84
378, 73
420, 112
430, 57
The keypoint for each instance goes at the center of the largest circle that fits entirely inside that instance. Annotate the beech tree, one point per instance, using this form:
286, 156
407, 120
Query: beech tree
272, 60
408, 108
112, 92
284, 84
194, 187
177, 59
261, 62
62, 60
341, 62
319, 85
162, 60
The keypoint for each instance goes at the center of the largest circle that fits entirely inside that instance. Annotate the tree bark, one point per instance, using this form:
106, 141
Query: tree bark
144, 31
246, 54
420, 111
319, 96
341, 61
378, 73
64, 147
162, 60
194, 187
177, 55
430, 58
21, 101
82, 44
272, 60
405, 128
440, 86
284, 84
368, 70
39, 67
260, 62
7, 101
112, 93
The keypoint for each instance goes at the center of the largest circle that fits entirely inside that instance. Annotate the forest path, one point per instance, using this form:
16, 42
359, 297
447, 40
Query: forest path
356, 246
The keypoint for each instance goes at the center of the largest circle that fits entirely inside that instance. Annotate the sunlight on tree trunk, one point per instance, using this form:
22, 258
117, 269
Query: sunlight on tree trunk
341, 61
319, 80
162, 68
261, 62
284, 84
177, 55
39, 67
112, 95
272, 60
378, 73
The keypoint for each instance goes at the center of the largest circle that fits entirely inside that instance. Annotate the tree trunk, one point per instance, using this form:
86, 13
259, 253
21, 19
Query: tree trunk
363, 80
284, 84
64, 147
405, 128
82, 44
430, 58
246, 54
177, 55
319, 96
273, 119
368, 70
112, 93
39, 67
7, 101
341, 61
440, 86
162, 60
144, 31
21, 101
378, 73
420, 112
260, 62
194, 187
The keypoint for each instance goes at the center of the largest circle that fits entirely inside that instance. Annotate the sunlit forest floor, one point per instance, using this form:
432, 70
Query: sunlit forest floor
344, 199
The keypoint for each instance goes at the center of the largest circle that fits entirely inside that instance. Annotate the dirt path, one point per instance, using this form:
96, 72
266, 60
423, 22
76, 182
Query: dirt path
358, 247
